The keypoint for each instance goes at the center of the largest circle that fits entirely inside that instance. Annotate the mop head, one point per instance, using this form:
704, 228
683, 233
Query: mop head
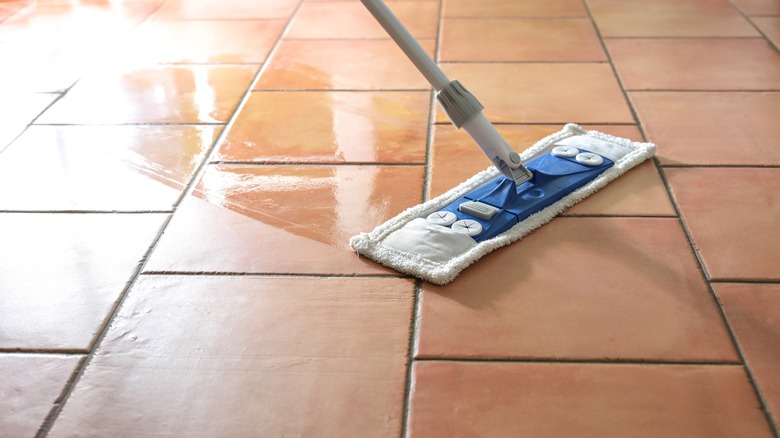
436, 240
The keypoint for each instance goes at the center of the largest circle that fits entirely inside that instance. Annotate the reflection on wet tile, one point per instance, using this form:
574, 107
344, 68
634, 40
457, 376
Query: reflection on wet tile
753, 311
29, 386
583, 400
17, 111
513, 8
517, 39
580, 289
245, 41
284, 219
543, 92
732, 214
285, 356
669, 18
342, 65
61, 274
227, 9
191, 94
330, 127
695, 64
712, 128
101, 167
327, 20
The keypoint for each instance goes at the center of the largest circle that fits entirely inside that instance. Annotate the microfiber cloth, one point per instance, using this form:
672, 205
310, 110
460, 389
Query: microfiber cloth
411, 244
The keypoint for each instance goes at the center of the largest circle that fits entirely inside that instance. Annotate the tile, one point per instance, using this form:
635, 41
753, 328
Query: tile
180, 94
758, 7
29, 386
732, 214
669, 18
583, 400
753, 311
342, 65
313, 356
61, 274
518, 39
9, 8
455, 157
284, 219
227, 9
213, 42
580, 289
17, 111
771, 27
543, 93
695, 64
711, 128
330, 126
326, 20
512, 8
122, 168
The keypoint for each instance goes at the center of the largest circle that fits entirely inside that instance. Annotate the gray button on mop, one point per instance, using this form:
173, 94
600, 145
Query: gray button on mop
443, 218
589, 159
565, 151
479, 210
467, 226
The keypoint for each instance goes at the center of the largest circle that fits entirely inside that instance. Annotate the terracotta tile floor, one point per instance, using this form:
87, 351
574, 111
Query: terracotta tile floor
179, 178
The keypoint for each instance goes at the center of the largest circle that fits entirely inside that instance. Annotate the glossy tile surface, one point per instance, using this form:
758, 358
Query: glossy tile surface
669, 18
284, 219
710, 128
330, 127
732, 214
584, 289
543, 92
586, 400
173, 94
227, 9
695, 64
61, 273
304, 351
342, 65
511, 8
29, 386
754, 312
214, 42
327, 20
520, 39
122, 168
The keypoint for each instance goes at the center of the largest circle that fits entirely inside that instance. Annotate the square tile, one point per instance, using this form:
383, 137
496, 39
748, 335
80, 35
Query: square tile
227, 9
231, 356
520, 39
62, 273
695, 64
17, 111
711, 128
753, 311
543, 93
732, 214
330, 126
213, 42
326, 20
669, 18
29, 386
758, 7
583, 400
770, 26
284, 219
580, 289
640, 192
173, 94
513, 8
343, 65
113, 168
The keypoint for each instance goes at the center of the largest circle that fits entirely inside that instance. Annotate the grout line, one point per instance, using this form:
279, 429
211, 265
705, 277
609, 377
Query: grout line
266, 274
640, 362
449, 61
719, 166
60, 351
315, 163
87, 211
147, 124
701, 90
746, 280
682, 37
749, 19
54, 413
414, 330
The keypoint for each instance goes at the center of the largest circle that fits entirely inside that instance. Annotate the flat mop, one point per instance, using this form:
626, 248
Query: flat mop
436, 240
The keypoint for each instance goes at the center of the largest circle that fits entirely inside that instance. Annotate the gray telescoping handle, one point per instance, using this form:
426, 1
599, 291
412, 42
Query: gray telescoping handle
463, 109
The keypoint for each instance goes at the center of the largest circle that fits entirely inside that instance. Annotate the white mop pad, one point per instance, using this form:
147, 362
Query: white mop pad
413, 245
